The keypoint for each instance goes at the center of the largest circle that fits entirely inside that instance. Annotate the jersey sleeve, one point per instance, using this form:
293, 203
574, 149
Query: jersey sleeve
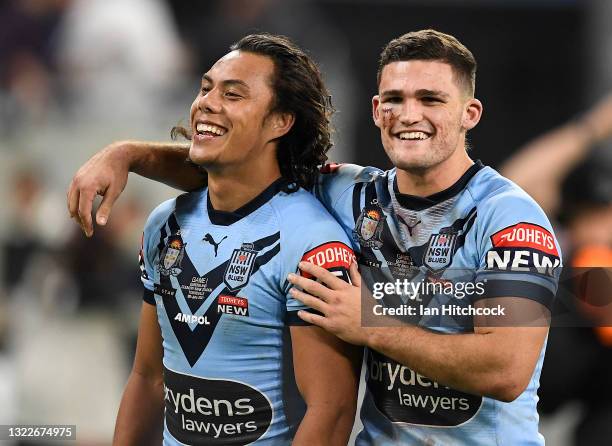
335, 179
146, 272
149, 249
322, 242
519, 255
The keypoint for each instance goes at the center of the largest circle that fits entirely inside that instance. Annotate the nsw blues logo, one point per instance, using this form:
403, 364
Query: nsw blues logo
440, 250
172, 256
240, 267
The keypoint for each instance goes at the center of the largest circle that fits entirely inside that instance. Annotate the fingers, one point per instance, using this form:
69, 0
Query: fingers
312, 318
108, 201
309, 300
105, 174
71, 202
354, 274
79, 206
85, 205
310, 286
323, 275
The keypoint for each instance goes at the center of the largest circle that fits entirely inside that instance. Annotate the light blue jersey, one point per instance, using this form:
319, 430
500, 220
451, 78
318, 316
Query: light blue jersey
218, 281
484, 229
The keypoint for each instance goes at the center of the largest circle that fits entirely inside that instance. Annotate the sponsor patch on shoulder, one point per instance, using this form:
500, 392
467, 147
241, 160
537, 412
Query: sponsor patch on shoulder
333, 256
526, 235
524, 247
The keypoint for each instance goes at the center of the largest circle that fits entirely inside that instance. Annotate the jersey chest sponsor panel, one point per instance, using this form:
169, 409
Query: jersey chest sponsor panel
462, 235
222, 306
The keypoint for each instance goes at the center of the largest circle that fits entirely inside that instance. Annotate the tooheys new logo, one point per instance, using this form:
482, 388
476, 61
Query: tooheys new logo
336, 257
202, 411
524, 247
404, 396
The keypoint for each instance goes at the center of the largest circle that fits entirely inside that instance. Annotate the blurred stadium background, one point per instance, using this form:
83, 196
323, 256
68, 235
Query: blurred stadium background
76, 75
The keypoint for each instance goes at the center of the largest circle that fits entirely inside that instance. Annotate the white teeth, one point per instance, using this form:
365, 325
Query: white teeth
413, 135
201, 128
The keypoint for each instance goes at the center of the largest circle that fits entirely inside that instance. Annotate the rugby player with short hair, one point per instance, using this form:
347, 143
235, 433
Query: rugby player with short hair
437, 217
221, 354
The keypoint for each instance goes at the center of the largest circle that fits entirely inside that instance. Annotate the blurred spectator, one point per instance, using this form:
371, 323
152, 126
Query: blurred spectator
27, 30
65, 310
578, 364
37, 223
120, 59
541, 166
108, 280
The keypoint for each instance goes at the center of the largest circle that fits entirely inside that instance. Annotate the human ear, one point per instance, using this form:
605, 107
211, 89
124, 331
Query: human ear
471, 114
375, 111
281, 123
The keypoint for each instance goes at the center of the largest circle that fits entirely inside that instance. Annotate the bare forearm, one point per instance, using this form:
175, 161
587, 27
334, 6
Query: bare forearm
140, 417
559, 150
164, 162
464, 362
327, 374
326, 425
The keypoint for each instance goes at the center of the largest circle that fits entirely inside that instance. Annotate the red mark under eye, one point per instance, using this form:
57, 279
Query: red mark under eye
388, 117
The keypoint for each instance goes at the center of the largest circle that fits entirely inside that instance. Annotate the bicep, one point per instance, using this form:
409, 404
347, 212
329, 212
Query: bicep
326, 368
149, 349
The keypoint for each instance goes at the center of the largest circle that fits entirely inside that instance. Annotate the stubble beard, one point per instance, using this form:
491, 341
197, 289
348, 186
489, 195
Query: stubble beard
418, 165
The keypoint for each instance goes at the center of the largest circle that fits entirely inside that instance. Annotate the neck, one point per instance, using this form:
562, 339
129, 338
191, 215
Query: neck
426, 182
232, 187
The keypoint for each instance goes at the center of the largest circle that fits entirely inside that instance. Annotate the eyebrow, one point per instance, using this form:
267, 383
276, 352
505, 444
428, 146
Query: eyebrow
438, 93
420, 93
388, 93
227, 82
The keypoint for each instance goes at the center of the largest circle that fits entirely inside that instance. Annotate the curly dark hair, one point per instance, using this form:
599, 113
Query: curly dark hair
299, 89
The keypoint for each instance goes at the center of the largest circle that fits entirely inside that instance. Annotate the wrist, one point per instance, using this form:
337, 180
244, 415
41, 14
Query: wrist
125, 154
370, 337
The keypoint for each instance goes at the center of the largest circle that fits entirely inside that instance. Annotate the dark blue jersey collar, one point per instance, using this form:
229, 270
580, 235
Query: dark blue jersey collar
224, 218
416, 203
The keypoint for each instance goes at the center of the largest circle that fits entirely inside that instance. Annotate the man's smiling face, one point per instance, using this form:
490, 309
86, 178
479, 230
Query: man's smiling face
229, 116
423, 113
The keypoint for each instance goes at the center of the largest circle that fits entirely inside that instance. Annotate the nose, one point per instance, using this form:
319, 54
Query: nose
209, 102
411, 112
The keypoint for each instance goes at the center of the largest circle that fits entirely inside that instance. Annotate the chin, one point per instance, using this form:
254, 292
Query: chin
418, 160
412, 161
413, 165
201, 156
197, 159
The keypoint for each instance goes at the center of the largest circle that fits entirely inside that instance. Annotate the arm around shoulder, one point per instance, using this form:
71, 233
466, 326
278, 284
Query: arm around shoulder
106, 174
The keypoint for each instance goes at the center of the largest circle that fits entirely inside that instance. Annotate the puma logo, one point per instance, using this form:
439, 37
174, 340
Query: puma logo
410, 228
209, 238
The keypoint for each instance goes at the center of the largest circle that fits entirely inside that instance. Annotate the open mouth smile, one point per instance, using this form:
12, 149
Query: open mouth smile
413, 135
209, 130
